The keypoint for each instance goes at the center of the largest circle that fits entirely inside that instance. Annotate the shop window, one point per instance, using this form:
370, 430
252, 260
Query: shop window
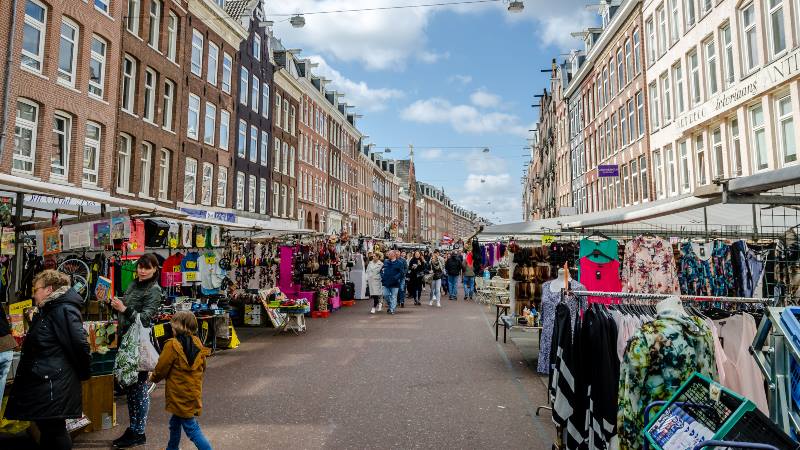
91, 153
25, 136
62, 137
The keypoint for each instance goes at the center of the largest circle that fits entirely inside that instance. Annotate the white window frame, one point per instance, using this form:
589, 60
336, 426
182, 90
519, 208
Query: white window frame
276, 160
154, 34
257, 47
190, 181
729, 63
255, 94
292, 116
291, 161
784, 122
774, 16
283, 200
265, 104
672, 163
193, 108
222, 186
640, 120
213, 63
145, 168
251, 193
68, 76
196, 60
210, 124
253, 144
264, 152
666, 102
712, 71
749, 36
262, 196
286, 115
97, 88
173, 25
654, 107
701, 162
760, 147
128, 84
291, 202
244, 86
124, 154
241, 145
657, 172
277, 116
25, 163
680, 98
224, 128
637, 48
674, 18
663, 36
35, 61
683, 155
735, 147
165, 158
149, 97
101, 5
717, 154
690, 13
168, 106
695, 87
61, 171
132, 18
91, 144
227, 70
285, 159
207, 184
275, 199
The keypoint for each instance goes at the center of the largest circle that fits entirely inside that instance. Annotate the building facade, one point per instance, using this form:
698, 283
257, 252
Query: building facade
287, 92
62, 92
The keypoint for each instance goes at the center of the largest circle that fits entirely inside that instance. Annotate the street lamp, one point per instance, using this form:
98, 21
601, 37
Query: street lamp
515, 6
298, 21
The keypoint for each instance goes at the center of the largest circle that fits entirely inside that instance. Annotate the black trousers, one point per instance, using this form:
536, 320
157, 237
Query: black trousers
54, 434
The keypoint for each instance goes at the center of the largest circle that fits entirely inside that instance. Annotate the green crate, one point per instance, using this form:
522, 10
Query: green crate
103, 363
728, 415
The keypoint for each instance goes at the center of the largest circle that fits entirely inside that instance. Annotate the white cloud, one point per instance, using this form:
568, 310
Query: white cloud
557, 20
488, 184
492, 196
463, 79
432, 57
463, 118
430, 154
357, 93
484, 99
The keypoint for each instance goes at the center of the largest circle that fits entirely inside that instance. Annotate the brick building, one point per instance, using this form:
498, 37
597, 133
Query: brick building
62, 103
287, 92
205, 163
313, 157
152, 98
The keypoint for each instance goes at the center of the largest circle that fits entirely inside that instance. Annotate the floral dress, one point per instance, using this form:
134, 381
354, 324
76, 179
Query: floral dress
649, 267
660, 357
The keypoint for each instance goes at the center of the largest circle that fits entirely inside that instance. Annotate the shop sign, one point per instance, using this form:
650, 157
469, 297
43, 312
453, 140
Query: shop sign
66, 201
548, 239
765, 79
198, 213
608, 170
225, 217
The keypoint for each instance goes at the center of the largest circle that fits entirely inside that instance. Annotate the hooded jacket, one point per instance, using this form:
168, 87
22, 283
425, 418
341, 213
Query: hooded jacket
55, 359
184, 392
660, 357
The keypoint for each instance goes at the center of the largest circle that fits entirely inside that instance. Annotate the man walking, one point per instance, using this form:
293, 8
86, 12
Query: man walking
391, 273
401, 293
453, 269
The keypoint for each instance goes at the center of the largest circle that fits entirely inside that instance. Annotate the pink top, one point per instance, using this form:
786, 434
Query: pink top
600, 277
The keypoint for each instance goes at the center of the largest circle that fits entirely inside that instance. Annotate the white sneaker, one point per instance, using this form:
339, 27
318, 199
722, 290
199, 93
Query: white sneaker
372, 311
438, 305
380, 306
430, 303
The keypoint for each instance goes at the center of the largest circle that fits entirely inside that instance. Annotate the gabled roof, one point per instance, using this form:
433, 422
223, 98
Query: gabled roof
241, 8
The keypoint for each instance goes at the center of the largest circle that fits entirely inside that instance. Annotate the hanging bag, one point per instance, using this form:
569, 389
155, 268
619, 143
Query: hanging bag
126, 365
148, 355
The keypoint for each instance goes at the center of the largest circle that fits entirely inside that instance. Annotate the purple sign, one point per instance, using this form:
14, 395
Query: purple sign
610, 170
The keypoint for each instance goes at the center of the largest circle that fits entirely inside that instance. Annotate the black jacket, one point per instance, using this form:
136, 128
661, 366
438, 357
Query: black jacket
453, 266
55, 358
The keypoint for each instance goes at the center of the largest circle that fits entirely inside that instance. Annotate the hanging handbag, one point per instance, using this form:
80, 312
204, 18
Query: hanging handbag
148, 355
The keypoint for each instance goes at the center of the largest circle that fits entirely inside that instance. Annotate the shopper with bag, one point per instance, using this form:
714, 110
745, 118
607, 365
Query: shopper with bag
55, 359
374, 280
437, 273
183, 364
136, 311
416, 272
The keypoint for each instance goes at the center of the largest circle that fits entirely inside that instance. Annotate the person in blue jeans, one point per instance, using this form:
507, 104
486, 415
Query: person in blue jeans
468, 278
453, 269
392, 273
401, 292
182, 364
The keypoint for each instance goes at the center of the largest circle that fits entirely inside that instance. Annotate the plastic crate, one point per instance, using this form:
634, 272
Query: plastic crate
790, 318
320, 314
103, 363
713, 412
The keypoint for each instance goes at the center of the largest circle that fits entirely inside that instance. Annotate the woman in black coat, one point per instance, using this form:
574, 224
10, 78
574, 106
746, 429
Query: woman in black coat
55, 359
417, 267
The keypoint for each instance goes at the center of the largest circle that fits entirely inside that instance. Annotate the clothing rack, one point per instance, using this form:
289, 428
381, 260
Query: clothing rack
694, 298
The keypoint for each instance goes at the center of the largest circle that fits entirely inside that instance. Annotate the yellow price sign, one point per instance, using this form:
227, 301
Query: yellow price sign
190, 276
211, 259
19, 307
191, 264
158, 330
205, 325
548, 239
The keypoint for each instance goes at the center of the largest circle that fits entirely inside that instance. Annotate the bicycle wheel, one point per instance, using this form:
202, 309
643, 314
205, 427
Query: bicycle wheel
79, 275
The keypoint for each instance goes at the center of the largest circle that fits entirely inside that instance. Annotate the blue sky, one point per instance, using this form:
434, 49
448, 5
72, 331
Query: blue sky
436, 78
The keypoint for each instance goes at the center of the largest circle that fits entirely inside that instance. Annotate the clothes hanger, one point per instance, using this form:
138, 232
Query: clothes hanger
598, 233
598, 252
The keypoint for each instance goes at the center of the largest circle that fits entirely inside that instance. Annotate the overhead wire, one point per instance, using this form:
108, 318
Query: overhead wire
385, 8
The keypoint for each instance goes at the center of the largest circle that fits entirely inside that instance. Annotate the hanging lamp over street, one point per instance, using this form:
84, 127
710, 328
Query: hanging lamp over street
298, 21
515, 6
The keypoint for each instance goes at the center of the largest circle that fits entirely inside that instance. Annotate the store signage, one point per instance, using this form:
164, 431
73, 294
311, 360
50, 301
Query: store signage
763, 80
38, 198
225, 217
548, 239
203, 214
608, 170
199, 213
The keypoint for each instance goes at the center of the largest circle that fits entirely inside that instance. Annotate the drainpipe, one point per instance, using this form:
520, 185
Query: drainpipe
7, 79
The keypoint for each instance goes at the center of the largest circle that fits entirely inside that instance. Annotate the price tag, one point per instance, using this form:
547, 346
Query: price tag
205, 325
191, 264
190, 276
158, 330
714, 391
548, 239
211, 259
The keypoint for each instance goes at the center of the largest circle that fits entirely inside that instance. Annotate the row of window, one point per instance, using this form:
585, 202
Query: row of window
155, 17
212, 63
283, 158
147, 102
622, 66
284, 114
252, 95
211, 133
34, 37
145, 167
313, 153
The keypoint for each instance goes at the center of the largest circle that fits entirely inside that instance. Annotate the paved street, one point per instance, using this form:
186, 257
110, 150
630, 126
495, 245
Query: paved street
424, 378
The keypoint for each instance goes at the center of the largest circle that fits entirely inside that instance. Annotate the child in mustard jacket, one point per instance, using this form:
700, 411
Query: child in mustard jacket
183, 363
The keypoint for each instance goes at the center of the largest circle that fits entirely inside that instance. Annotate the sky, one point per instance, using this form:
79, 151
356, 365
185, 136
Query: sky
450, 81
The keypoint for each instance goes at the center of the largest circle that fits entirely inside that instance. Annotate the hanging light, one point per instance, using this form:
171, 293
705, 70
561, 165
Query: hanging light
486, 150
515, 6
298, 21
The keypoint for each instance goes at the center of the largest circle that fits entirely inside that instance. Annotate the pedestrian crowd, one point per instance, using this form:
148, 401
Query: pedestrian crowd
56, 358
398, 274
